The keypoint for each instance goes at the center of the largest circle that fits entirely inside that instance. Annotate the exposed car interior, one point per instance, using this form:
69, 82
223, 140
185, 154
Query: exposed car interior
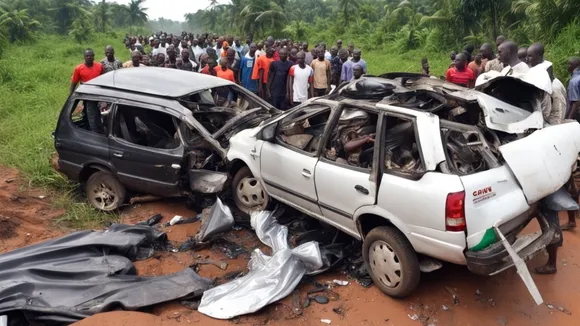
354, 125
305, 128
145, 127
81, 112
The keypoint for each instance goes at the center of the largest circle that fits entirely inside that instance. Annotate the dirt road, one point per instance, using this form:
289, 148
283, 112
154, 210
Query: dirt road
500, 300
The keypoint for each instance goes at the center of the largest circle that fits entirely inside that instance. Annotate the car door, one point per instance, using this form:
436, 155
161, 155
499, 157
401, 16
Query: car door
77, 143
145, 150
288, 162
346, 182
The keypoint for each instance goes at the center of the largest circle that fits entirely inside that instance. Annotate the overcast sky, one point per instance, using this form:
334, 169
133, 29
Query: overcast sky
172, 9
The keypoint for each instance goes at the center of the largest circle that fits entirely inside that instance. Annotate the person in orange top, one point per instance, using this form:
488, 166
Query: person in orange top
86, 70
261, 69
224, 72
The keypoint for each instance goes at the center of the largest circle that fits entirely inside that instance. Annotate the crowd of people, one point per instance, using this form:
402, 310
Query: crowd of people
282, 72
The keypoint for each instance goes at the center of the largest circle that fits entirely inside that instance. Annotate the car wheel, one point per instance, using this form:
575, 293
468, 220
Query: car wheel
105, 192
391, 261
248, 192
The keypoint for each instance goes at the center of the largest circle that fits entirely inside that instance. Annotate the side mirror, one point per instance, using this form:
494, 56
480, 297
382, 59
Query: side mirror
269, 132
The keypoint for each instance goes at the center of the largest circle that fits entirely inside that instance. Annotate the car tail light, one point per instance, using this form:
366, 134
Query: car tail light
455, 212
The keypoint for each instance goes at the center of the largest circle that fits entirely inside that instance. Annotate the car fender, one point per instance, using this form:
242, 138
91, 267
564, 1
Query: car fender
245, 147
378, 211
100, 165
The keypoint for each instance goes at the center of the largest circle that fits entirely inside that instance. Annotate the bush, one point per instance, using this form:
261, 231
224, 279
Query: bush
566, 44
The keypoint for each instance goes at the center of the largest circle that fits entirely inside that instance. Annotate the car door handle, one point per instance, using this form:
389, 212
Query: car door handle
57, 144
118, 154
176, 166
306, 173
361, 189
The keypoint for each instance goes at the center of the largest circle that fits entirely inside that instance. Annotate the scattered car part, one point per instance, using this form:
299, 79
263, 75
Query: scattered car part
270, 278
340, 282
175, 220
218, 220
207, 182
219, 264
143, 199
61, 281
320, 299
152, 220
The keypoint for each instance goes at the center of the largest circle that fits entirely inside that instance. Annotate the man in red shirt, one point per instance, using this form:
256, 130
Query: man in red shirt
460, 74
86, 71
83, 73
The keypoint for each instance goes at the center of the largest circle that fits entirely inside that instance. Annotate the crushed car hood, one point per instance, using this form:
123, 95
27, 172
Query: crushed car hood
498, 113
543, 161
502, 116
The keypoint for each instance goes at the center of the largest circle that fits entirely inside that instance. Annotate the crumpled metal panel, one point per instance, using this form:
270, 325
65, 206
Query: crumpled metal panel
270, 278
219, 219
61, 281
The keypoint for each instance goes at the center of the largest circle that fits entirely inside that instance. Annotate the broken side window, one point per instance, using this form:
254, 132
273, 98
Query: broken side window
91, 115
145, 127
304, 129
225, 96
402, 149
352, 140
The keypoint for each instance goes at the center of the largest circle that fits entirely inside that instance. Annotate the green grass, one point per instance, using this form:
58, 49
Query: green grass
34, 83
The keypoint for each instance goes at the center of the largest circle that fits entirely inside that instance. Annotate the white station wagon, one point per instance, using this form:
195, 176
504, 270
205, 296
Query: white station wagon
415, 167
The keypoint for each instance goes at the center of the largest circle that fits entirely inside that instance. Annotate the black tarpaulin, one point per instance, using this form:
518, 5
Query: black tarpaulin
63, 280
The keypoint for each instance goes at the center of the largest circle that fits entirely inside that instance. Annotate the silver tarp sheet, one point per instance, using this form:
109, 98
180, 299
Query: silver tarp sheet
270, 278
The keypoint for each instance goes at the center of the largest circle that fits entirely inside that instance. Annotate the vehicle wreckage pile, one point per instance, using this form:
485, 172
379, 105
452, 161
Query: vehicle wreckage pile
64, 280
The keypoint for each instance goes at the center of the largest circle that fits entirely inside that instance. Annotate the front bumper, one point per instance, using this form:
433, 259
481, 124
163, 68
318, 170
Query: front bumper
495, 259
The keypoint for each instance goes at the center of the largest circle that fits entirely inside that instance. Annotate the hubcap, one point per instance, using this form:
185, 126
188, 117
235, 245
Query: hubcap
251, 194
103, 197
385, 264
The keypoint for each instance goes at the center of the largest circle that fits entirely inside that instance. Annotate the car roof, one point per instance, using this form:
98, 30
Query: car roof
158, 81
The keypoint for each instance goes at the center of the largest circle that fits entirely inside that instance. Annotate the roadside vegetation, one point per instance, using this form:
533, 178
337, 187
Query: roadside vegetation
41, 41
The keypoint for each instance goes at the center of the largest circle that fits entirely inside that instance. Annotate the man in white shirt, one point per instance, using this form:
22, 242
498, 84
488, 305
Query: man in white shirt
508, 55
300, 81
157, 48
196, 49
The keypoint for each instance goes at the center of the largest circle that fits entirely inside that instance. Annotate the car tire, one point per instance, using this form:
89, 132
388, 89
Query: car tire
105, 192
391, 261
248, 192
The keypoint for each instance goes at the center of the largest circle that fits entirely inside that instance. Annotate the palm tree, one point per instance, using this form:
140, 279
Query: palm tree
136, 15
262, 15
17, 23
66, 11
345, 6
102, 16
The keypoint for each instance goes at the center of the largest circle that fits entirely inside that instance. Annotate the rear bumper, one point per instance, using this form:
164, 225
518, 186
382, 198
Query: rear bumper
495, 259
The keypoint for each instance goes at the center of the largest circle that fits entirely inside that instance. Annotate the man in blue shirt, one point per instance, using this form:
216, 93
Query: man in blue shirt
346, 74
277, 80
246, 69
573, 110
